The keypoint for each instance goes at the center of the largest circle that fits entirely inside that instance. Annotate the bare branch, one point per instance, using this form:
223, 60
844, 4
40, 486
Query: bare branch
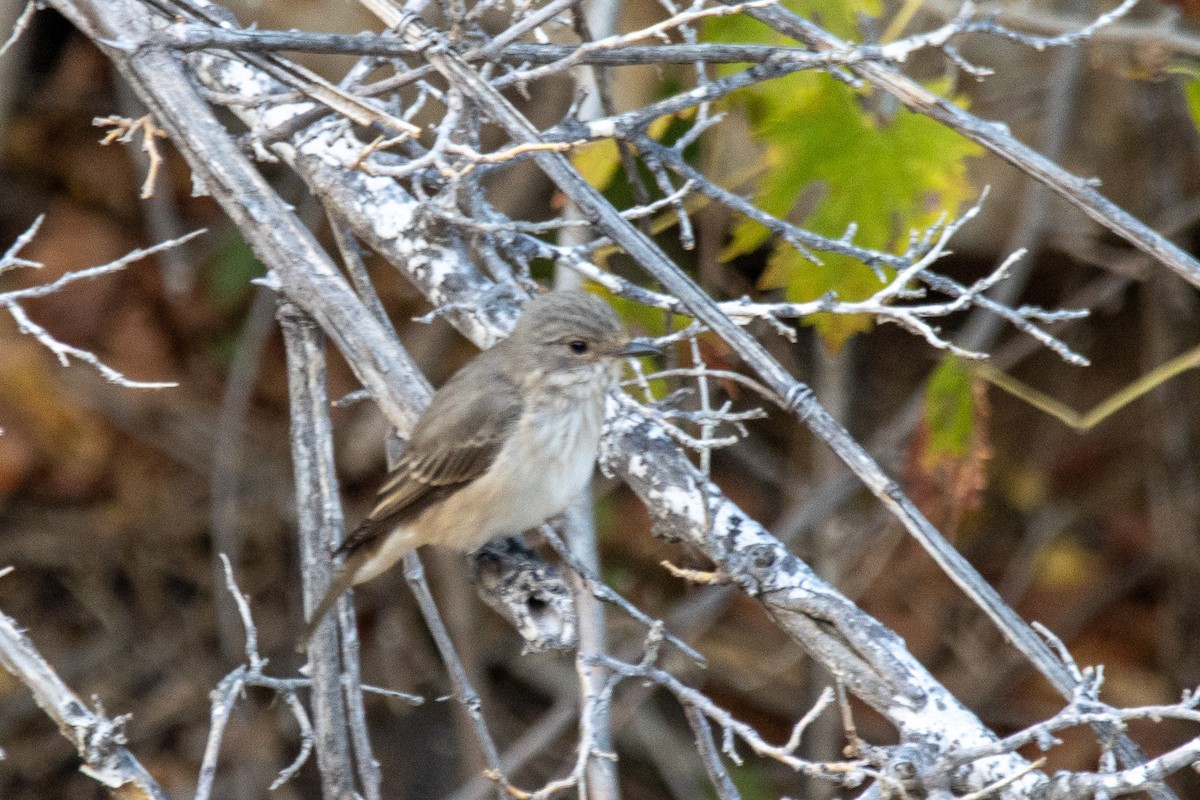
847, 774
62, 351
190, 36
602, 592
1163, 31
319, 517
22, 23
98, 739
17, 295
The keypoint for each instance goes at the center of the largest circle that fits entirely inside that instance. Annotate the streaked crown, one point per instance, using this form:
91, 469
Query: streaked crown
563, 315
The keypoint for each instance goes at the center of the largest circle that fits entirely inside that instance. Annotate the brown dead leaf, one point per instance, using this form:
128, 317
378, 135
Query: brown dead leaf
945, 486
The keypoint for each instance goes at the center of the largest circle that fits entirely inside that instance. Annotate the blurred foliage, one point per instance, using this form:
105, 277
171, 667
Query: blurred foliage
233, 268
229, 289
1192, 89
751, 782
1066, 564
874, 165
947, 471
597, 162
949, 410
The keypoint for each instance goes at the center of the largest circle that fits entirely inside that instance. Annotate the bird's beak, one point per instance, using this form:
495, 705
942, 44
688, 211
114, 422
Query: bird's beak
637, 348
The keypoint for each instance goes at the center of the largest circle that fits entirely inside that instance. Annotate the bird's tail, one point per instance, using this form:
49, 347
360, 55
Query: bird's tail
343, 579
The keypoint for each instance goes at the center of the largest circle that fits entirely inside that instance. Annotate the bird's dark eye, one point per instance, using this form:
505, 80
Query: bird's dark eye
578, 347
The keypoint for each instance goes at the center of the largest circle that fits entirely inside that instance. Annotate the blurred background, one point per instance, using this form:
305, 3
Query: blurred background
113, 502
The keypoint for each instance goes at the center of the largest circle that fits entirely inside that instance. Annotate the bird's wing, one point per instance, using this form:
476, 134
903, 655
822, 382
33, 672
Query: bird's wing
439, 459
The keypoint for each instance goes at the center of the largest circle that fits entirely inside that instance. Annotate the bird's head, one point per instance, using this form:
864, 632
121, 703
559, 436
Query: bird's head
572, 337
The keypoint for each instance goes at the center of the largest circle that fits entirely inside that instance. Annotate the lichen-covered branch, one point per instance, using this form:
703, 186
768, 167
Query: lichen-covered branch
379, 210
528, 592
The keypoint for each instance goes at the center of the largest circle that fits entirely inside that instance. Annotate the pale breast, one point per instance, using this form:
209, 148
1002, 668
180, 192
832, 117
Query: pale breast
543, 468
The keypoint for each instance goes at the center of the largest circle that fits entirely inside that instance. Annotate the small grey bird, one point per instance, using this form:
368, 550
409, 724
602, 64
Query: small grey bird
504, 445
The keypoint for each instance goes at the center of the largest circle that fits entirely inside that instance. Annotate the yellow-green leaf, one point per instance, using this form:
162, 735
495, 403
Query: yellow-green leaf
803, 281
949, 410
1192, 90
884, 169
597, 162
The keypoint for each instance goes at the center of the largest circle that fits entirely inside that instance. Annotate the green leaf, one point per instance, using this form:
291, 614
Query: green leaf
1192, 91
751, 781
886, 172
887, 176
839, 17
232, 270
950, 413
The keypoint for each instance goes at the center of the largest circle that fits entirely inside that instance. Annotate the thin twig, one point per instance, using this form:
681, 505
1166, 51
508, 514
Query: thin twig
464, 692
602, 592
123, 130
10, 300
